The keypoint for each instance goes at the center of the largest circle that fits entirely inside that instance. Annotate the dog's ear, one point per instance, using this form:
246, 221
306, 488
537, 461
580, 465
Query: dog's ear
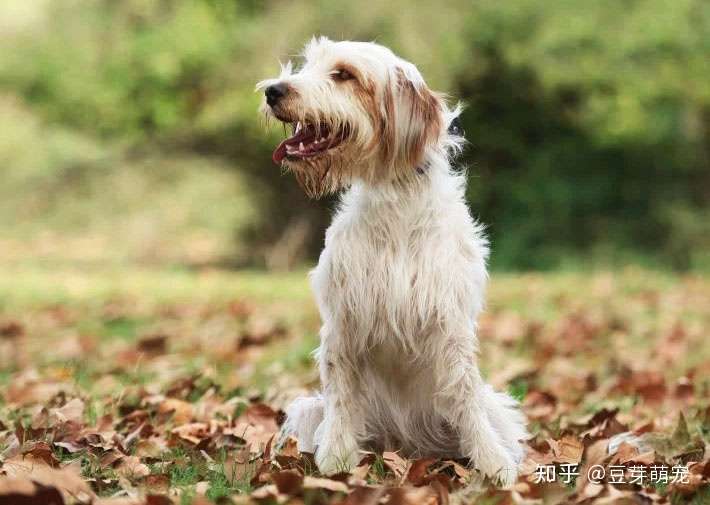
418, 118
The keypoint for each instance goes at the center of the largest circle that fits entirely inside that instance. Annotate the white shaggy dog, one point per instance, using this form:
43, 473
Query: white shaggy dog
402, 277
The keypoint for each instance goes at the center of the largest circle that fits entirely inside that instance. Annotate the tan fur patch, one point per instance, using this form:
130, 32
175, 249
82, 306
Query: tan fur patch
424, 124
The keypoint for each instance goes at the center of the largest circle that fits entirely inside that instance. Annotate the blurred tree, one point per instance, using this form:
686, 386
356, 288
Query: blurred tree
588, 127
589, 123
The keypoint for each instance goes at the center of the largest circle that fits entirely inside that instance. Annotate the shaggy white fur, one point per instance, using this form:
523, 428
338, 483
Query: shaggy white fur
401, 280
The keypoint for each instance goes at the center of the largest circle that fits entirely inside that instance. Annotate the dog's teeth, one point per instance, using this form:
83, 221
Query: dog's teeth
300, 146
298, 127
322, 139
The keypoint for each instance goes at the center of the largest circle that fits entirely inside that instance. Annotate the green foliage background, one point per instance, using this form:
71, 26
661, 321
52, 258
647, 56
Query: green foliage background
588, 122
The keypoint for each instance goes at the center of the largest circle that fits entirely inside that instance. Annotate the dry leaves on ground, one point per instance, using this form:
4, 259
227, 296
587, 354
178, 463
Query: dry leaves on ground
182, 404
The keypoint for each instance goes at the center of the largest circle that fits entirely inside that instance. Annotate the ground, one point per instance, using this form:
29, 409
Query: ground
145, 384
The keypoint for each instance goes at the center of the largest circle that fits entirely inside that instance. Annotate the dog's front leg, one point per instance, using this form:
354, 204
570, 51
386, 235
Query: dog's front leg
337, 434
489, 425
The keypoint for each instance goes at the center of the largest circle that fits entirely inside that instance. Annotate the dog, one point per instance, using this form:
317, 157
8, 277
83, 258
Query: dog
401, 279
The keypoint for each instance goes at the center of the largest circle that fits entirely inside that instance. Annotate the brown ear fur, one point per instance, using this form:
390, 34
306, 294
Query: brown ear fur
421, 119
382, 110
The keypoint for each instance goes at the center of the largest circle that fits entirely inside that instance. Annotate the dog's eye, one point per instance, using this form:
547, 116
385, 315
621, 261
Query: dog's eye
342, 75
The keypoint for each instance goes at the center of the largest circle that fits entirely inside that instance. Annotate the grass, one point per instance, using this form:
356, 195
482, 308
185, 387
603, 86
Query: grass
221, 482
29, 285
518, 389
83, 327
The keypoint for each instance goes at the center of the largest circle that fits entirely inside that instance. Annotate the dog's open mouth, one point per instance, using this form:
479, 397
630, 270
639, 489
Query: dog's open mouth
307, 141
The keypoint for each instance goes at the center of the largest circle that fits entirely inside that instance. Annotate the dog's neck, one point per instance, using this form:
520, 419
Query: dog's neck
432, 176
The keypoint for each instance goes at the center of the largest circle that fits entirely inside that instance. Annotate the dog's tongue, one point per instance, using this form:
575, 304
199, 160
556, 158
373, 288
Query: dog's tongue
306, 135
279, 153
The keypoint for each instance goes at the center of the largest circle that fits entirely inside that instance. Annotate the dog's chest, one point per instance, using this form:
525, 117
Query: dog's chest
373, 274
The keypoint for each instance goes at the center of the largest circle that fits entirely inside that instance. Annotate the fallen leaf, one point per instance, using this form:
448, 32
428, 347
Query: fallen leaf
25, 492
66, 480
11, 329
41, 452
153, 344
73, 410
262, 415
131, 467
418, 470
322, 483
568, 449
395, 463
288, 482
181, 411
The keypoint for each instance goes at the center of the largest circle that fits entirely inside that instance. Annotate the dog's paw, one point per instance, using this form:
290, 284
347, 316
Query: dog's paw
303, 416
503, 413
340, 455
498, 464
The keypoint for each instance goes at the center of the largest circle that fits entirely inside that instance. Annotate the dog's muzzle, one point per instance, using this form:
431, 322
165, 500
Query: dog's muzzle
275, 92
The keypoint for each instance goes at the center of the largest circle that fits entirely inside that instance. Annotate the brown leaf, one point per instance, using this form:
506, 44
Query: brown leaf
182, 411
418, 470
151, 447
73, 410
241, 309
539, 404
260, 414
157, 483
240, 467
290, 448
684, 389
26, 492
156, 499
461, 471
625, 453
257, 438
97, 440
414, 496
131, 467
260, 331
322, 483
568, 449
362, 495
192, 432
67, 480
11, 329
110, 458
153, 344
265, 493
671, 348
288, 482
440, 487
396, 463
40, 451
360, 472
604, 425
29, 390
649, 384
597, 418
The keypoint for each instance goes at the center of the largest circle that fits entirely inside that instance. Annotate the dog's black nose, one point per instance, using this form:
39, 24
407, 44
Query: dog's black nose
275, 92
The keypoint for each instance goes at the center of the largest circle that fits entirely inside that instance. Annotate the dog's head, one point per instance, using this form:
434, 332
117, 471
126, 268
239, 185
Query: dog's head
356, 110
